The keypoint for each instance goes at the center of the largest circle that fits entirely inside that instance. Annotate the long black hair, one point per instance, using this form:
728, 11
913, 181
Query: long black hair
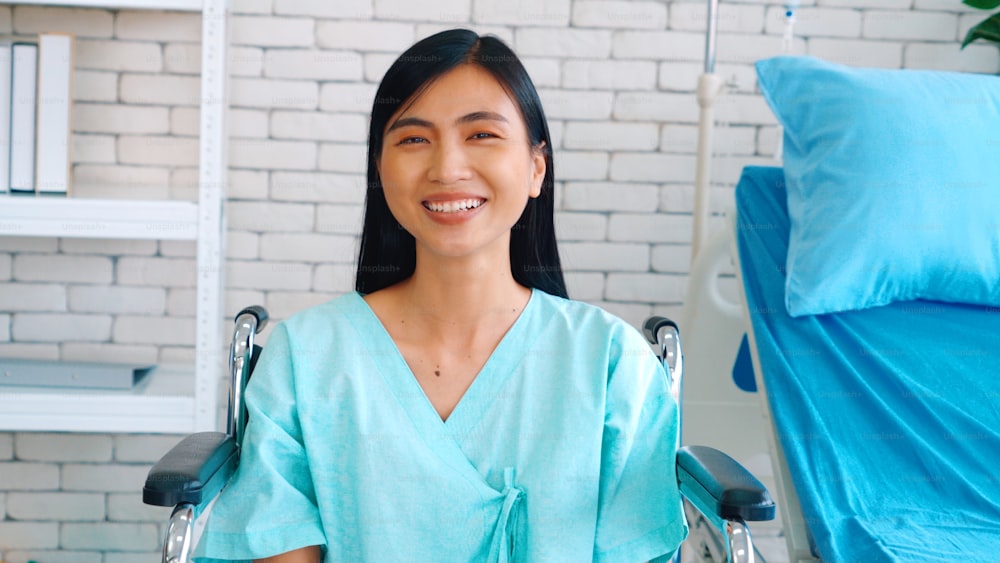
388, 252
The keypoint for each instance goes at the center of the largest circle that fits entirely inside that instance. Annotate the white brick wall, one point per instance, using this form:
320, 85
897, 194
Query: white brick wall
390, 37
272, 31
620, 14
118, 55
608, 74
566, 42
108, 536
312, 63
102, 118
36, 535
562, 104
19, 476
55, 506
55, 327
572, 226
909, 25
64, 269
596, 135
609, 196
5, 266
617, 78
272, 154
80, 22
117, 299
318, 126
32, 297
154, 150
451, 11
270, 94
317, 187
693, 16
348, 9
158, 26
521, 12
883, 54
659, 45
6, 448
817, 22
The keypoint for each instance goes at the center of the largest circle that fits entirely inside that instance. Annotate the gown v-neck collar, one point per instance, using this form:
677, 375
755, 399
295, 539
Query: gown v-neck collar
477, 397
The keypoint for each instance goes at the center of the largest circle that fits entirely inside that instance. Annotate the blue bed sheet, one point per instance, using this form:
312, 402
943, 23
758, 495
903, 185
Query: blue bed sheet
889, 417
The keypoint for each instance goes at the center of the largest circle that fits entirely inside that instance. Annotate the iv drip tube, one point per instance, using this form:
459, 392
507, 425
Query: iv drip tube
787, 38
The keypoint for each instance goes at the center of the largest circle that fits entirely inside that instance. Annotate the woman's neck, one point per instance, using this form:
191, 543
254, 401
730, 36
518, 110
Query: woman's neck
460, 295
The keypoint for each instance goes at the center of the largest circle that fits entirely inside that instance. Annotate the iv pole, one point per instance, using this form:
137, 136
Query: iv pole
709, 88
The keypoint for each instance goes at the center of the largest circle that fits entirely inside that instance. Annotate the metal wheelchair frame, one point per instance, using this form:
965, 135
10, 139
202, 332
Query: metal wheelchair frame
723, 534
204, 462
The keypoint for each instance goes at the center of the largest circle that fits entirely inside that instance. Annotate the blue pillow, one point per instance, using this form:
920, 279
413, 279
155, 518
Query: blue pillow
893, 181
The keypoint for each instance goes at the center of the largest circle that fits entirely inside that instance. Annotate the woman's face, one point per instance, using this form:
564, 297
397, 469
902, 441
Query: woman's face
457, 166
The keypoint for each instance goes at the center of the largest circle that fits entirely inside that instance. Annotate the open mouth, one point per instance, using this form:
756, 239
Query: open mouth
453, 206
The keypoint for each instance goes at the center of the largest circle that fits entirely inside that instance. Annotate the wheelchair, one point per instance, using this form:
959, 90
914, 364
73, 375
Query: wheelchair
720, 495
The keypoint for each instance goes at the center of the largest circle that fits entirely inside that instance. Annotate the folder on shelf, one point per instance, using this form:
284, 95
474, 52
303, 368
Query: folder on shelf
55, 100
81, 375
23, 96
5, 69
36, 100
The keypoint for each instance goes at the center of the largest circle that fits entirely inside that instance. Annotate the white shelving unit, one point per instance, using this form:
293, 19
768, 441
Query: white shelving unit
168, 5
173, 399
25, 216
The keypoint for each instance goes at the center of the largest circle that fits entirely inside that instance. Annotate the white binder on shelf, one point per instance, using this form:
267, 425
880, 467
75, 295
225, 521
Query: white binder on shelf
55, 101
23, 94
5, 69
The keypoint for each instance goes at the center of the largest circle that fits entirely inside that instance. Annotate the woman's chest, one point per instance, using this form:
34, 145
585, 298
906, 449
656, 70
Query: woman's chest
444, 374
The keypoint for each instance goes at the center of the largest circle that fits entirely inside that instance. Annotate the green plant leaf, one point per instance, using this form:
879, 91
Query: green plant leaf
982, 4
988, 29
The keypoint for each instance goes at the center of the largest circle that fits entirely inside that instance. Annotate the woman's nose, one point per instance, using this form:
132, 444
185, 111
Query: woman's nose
450, 164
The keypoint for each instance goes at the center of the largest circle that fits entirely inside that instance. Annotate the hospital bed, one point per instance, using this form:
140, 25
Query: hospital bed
869, 271
714, 486
886, 424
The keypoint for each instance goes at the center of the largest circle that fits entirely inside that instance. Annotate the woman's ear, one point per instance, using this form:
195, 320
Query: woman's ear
538, 168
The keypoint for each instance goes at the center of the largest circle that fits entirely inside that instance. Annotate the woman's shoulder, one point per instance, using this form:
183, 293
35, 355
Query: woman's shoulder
598, 340
330, 316
579, 312
582, 319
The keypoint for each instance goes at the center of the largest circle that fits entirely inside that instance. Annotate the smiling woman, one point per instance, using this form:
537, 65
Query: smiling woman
456, 175
457, 406
533, 240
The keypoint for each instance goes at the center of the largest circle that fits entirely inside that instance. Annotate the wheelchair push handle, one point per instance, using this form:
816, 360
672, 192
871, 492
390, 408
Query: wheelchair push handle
666, 336
242, 357
258, 312
651, 328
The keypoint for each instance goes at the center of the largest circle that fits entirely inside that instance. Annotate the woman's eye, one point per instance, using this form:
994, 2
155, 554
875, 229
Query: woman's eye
412, 140
483, 135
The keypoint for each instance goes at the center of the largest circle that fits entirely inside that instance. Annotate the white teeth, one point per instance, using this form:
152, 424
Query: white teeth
453, 206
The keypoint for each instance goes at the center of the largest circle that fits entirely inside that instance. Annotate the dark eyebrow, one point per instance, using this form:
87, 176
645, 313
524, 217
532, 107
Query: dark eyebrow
468, 118
409, 121
481, 116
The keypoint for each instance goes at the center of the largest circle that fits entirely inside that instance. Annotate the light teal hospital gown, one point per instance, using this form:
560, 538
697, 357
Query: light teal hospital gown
562, 449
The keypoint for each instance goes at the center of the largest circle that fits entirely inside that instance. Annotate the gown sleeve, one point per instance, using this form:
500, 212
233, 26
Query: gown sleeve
640, 517
269, 507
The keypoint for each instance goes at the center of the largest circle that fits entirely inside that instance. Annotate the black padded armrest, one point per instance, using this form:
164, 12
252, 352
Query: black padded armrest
192, 471
721, 485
